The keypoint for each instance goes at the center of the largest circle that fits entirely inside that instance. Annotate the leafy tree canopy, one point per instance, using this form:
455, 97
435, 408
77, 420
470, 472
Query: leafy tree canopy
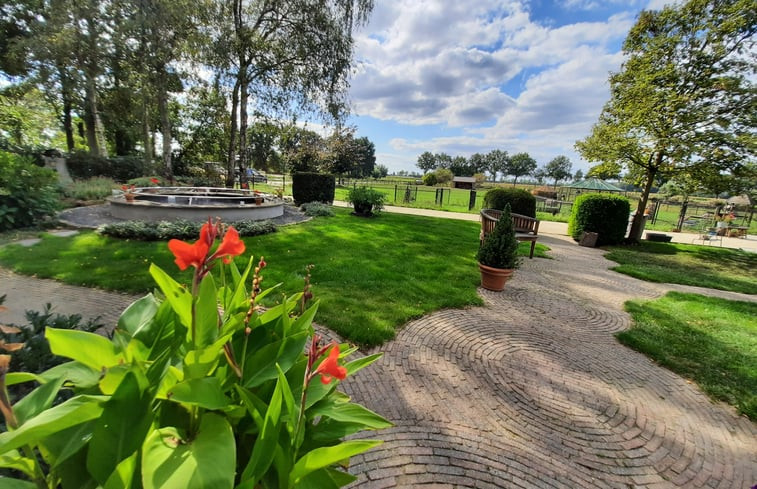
684, 99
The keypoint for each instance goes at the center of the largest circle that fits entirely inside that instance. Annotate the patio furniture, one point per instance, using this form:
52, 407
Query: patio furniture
526, 228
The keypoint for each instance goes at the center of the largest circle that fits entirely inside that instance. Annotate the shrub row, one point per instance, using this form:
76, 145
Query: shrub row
313, 187
179, 229
121, 168
606, 215
521, 202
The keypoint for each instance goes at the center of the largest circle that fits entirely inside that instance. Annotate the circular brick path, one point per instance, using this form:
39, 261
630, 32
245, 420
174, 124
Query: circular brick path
532, 390
529, 391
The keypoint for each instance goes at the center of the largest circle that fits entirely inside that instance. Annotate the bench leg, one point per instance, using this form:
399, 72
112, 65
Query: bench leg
533, 245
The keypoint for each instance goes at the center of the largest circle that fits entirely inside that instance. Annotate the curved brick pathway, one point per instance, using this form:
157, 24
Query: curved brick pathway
529, 391
534, 391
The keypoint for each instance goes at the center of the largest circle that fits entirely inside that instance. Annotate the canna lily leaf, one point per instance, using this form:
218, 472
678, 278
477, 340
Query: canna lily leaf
207, 460
95, 351
327, 456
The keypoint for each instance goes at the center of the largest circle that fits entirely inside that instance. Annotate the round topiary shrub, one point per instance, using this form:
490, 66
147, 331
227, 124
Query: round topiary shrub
521, 202
313, 187
606, 215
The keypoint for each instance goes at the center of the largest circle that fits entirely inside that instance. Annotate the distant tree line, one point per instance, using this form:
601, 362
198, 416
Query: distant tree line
496, 162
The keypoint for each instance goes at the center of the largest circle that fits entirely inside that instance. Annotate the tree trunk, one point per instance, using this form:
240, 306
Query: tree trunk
146, 131
90, 117
637, 226
165, 123
243, 99
232, 137
65, 93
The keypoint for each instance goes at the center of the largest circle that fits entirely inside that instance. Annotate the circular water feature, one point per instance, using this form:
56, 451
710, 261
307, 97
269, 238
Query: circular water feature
195, 204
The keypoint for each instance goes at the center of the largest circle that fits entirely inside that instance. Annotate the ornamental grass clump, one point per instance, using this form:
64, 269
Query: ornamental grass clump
500, 248
199, 387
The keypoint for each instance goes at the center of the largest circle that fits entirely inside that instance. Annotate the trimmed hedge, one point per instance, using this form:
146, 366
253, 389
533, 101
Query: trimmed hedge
120, 168
178, 229
521, 202
313, 187
606, 215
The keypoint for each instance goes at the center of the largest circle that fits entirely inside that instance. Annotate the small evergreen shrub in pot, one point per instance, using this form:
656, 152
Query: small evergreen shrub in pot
313, 187
606, 215
366, 200
498, 254
520, 201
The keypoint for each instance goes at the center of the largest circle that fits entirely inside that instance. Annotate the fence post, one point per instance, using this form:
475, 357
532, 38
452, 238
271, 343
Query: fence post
472, 200
395, 193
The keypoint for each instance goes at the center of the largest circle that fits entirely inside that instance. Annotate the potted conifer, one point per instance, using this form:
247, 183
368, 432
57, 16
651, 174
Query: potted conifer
498, 254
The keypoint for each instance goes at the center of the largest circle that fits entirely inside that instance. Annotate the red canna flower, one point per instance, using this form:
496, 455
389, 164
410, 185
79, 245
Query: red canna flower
330, 368
230, 246
193, 254
155, 180
189, 254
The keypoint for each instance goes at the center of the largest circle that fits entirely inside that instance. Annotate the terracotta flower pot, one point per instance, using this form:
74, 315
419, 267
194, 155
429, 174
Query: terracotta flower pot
494, 278
258, 200
129, 197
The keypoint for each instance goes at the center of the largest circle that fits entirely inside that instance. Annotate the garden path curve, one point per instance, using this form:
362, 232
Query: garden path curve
530, 390
533, 390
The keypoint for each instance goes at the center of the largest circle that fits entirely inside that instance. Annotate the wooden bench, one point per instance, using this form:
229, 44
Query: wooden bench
526, 228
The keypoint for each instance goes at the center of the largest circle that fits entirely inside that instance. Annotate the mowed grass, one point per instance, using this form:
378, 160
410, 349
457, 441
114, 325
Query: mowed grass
703, 266
708, 340
371, 275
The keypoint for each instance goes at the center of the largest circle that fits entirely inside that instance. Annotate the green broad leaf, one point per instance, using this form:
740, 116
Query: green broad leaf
304, 322
205, 392
206, 314
288, 399
326, 479
121, 428
137, 319
360, 363
262, 364
329, 431
199, 363
177, 296
80, 375
67, 444
320, 458
239, 297
206, 461
113, 378
265, 445
254, 406
37, 401
14, 460
168, 380
350, 413
90, 349
10, 483
75, 411
13, 378
123, 476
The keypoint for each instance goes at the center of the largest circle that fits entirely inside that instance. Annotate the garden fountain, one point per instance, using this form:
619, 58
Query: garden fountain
195, 204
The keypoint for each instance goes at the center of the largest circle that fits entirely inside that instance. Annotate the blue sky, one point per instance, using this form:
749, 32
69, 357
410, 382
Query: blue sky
465, 77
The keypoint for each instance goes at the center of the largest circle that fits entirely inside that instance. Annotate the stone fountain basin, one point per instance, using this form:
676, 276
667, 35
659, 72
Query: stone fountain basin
195, 204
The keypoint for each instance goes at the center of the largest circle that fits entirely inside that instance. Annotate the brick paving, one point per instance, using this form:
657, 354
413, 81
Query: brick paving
529, 391
533, 391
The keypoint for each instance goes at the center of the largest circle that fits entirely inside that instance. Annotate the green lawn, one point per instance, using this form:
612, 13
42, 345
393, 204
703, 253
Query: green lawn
711, 341
372, 275
703, 266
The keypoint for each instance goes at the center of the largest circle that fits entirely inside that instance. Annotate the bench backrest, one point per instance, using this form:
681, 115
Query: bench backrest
521, 223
